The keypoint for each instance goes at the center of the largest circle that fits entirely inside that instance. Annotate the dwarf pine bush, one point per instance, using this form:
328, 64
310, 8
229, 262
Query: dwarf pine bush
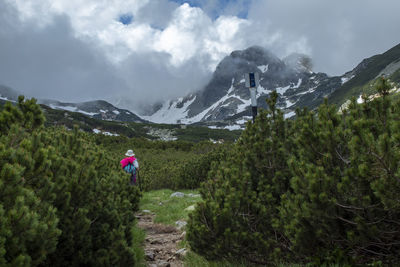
62, 202
322, 188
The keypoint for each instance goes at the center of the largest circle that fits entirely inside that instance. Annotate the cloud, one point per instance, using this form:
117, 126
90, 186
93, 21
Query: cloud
152, 79
59, 54
337, 34
76, 50
51, 62
191, 33
217, 8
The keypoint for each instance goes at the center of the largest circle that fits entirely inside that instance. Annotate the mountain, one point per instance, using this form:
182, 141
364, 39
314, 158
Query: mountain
364, 74
226, 99
98, 109
101, 117
8, 94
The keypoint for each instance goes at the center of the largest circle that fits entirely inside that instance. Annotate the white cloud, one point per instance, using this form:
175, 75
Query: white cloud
189, 32
180, 38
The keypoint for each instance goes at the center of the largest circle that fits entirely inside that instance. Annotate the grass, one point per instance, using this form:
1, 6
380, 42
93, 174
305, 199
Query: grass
168, 209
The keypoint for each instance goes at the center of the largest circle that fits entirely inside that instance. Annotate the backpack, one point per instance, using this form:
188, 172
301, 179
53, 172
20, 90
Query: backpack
130, 168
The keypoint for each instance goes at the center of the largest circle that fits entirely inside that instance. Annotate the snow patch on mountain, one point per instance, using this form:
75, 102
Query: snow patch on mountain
289, 103
233, 127
6, 99
263, 68
262, 91
73, 109
282, 90
97, 131
170, 112
223, 101
289, 114
346, 79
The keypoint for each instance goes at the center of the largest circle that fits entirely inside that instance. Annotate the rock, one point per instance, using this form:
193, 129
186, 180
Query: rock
193, 195
182, 236
146, 211
163, 264
190, 208
180, 224
181, 253
149, 255
155, 242
177, 194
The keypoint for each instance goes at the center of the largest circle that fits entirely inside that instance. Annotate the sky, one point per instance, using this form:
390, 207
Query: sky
135, 53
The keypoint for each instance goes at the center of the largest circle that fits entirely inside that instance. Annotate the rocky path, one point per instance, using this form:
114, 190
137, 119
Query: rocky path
161, 244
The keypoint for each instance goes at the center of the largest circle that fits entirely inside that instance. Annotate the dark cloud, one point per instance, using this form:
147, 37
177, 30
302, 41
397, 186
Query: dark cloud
49, 62
153, 79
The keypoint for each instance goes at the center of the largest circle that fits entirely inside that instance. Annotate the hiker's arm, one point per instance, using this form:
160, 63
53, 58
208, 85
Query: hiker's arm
136, 164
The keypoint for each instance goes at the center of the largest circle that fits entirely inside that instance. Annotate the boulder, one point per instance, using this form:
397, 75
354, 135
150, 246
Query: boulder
180, 224
191, 207
177, 194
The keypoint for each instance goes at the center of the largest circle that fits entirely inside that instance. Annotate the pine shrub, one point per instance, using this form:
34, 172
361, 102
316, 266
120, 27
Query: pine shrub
238, 218
63, 202
322, 188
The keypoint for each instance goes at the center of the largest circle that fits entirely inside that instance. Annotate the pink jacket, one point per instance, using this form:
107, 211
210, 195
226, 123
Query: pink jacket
126, 161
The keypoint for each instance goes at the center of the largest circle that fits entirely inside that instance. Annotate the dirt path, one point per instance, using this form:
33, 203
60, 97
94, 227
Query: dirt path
161, 242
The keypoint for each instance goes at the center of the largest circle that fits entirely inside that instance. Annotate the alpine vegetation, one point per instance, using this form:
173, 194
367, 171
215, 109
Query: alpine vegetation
62, 202
322, 188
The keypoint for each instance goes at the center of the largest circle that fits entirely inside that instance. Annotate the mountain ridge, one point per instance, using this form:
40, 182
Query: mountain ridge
226, 95
99, 109
226, 99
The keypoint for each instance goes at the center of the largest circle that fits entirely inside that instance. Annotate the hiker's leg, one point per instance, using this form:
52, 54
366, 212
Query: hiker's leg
133, 179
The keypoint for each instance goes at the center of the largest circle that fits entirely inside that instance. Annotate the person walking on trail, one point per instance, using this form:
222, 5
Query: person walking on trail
130, 165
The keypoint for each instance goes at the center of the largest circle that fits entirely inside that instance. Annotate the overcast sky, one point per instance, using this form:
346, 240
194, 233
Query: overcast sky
142, 51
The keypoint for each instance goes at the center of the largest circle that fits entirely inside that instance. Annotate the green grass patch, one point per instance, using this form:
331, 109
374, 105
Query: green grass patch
168, 209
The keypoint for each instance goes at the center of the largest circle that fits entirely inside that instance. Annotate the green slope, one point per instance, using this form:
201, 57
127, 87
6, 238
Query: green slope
358, 84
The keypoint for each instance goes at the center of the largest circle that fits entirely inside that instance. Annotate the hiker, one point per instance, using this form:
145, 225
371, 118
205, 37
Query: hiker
130, 165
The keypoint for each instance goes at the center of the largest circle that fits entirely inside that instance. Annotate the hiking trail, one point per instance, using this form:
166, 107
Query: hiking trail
161, 243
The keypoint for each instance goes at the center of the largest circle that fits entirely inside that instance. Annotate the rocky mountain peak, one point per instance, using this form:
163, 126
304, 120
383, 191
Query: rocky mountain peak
299, 62
257, 55
226, 97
